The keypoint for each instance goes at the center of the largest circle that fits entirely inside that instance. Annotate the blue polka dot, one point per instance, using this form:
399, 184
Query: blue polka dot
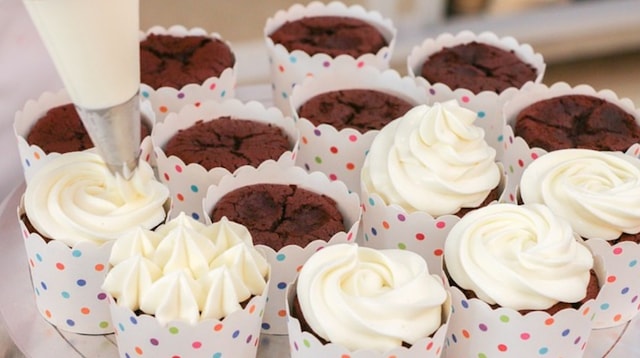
633, 263
223, 93
293, 59
454, 338
282, 285
372, 202
217, 355
27, 163
285, 95
133, 320
76, 253
374, 231
70, 323
194, 188
604, 306
81, 282
500, 138
543, 350
121, 327
281, 257
266, 326
43, 285
235, 334
481, 114
625, 290
566, 332
145, 94
38, 257
464, 304
196, 216
65, 294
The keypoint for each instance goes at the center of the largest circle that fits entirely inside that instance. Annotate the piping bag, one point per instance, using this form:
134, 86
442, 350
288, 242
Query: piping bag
94, 46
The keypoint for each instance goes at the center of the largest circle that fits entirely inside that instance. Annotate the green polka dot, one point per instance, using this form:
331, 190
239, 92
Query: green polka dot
482, 355
174, 330
511, 168
504, 318
104, 324
318, 160
306, 343
402, 246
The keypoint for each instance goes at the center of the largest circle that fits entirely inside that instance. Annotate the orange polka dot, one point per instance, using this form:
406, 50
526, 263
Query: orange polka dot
385, 225
180, 197
345, 356
466, 333
617, 317
282, 313
549, 321
60, 266
138, 350
47, 313
252, 308
36, 155
99, 267
611, 279
351, 166
586, 311
299, 268
85, 310
217, 327
305, 140
163, 109
281, 68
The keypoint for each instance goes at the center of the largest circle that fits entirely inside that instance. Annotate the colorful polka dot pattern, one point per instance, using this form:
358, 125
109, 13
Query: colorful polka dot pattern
388, 226
285, 265
167, 100
237, 335
67, 284
478, 331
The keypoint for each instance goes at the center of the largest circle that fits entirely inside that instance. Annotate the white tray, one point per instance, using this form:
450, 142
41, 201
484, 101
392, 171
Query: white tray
38, 339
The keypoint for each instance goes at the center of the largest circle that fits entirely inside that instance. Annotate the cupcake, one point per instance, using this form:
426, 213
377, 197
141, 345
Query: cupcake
50, 125
429, 166
305, 41
476, 62
181, 66
296, 213
358, 301
338, 115
72, 210
199, 145
522, 282
561, 117
596, 192
187, 289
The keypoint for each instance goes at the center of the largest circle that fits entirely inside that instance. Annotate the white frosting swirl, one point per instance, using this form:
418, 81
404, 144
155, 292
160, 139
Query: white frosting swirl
518, 256
597, 192
186, 270
365, 298
433, 159
75, 198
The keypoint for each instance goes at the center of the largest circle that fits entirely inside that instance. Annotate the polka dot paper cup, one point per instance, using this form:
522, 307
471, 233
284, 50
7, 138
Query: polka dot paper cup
167, 100
340, 153
291, 68
477, 330
67, 282
188, 182
236, 335
420, 53
33, 157
304, 344
535, 92
286, 262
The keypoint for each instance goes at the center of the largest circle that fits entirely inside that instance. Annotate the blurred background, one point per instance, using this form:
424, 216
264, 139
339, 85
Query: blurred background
596, 42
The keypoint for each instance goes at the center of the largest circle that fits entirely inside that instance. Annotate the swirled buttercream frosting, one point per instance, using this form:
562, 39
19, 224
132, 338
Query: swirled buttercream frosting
75, 198
597, 192
365, 298
518, 256
433, 159
185, 270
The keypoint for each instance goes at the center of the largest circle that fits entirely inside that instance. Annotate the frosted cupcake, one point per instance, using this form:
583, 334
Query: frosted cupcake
597, 193
71, 212
187, 289
423, 171
522, 283
359, 302
321, 34
182, 66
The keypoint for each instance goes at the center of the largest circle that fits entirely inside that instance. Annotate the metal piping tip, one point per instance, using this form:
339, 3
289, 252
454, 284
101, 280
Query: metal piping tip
115, 132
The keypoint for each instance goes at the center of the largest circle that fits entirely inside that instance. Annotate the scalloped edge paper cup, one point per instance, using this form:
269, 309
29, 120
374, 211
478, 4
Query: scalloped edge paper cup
429, 46
236, 335
340, 153
304, 344
32, 157
286, 262
67, 282
618, 300
291, 68
535, 92
188, 182
167, 100
476, 329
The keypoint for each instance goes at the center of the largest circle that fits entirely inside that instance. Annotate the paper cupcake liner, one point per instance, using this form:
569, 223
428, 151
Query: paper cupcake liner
477, 330
291, 68
167, 100
429, 46
536, 92
32, 157
340, 153
286, 262
237, 335
617, 301
188, 182
67, 282
304, 344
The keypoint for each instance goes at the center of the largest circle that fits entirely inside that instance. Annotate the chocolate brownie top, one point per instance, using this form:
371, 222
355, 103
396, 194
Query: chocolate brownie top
333, 35
278, 214
61, 130
477, 67
359, 109
174, 61
228, 142
577, 121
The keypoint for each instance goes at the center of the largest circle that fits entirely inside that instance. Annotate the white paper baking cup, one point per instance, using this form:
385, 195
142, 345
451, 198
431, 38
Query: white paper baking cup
305, 344
67, 282
286, 262
167, 100
430, 46
32, 157
236, 335
291, 68
188, 182
340, 153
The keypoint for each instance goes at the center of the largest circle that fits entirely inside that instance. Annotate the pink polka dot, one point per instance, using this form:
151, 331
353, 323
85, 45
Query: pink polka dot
525, 336
360, 64
281, 68
617, 250
520, 163
465, 99
441, 224
178, 169
534, 156
166, 177
60, 266
353, 138
196, 345
333, 177
212, 86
